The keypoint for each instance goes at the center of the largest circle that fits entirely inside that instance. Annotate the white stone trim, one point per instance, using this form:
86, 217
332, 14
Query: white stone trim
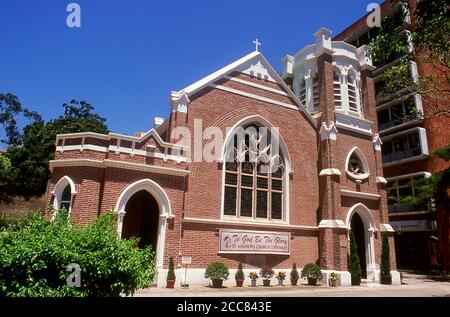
117, 149
253, 224
118, 164
351, 193
377, 142
329, 172
165, 211
81, 148
381, 180
328, 132
75, 163
329, 223
385, 227
363, 160
353, 124
251, 84
423, 174
146, 168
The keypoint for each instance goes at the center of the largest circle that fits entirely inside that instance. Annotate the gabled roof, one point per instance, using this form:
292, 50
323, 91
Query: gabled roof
250, 64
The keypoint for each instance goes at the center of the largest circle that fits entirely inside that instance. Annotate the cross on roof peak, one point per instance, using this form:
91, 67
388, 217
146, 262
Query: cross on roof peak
257, 44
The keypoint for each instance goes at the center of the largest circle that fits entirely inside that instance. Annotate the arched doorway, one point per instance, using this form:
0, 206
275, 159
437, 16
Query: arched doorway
149, 194
361, 223
141, 219
357, 227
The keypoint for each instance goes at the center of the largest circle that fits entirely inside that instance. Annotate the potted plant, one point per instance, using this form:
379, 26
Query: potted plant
385, 267
354, 266
170, 282
239, 276
266, 274
333, 279
312, 273
281, 276
217, 272
253, 277
294, 275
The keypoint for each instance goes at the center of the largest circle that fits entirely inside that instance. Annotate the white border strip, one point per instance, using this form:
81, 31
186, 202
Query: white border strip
350, 193
251, 84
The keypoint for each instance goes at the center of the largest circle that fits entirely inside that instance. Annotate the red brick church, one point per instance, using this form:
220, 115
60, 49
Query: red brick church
305, 171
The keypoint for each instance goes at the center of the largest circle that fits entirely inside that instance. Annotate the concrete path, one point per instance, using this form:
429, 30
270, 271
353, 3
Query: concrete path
414, 285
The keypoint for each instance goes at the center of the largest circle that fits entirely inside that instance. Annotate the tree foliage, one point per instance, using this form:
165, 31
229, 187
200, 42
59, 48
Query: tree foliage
36, 253
429, 43
30, 151
385, 266
354, 266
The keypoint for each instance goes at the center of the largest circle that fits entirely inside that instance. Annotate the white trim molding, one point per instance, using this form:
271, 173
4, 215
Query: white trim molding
118, 164
351, 193
334, 224
353, 124
385, 227
328, 132
330, 171
377, 142
381, 180
165, 211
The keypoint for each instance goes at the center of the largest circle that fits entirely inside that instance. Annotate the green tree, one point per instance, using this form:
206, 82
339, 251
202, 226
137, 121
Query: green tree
36, 253
385, 266
31, 151
6, 177
354, 266
430, 44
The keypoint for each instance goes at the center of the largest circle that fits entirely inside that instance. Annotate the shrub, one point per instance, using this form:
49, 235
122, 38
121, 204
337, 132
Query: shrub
281, 276
333, 276
239, 276
266, 273
354, 267
217, 271
171, 272
294, 272
385, 266
36, 253
312, 271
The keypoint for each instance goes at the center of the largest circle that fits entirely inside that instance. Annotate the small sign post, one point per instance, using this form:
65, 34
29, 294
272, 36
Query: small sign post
185, 260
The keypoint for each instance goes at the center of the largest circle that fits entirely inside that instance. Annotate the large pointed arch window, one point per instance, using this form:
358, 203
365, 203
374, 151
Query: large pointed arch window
64, 193
254, 176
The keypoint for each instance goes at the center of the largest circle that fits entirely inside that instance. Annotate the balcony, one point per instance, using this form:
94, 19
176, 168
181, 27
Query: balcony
405, 146
406, 208
400, 121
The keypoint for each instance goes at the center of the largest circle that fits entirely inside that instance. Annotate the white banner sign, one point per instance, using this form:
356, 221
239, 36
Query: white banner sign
412, 225
251, 242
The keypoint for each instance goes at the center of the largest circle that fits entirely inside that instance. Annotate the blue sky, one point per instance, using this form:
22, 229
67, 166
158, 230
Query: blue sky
128, 55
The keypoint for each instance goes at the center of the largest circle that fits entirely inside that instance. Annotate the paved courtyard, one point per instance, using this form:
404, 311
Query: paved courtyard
414, 285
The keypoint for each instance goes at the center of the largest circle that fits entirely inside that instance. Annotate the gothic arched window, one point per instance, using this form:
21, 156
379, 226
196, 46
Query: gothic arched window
356, 165
64, 192
254, 176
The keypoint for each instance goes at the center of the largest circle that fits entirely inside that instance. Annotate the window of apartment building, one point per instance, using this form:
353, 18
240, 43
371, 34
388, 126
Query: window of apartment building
401, 147
399, 191
402, 112
254, 187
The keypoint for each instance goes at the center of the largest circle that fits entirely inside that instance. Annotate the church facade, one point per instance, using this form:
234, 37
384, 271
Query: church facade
250, 167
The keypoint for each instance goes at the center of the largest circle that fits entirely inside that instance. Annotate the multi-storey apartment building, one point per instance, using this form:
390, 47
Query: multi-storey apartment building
408, 138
